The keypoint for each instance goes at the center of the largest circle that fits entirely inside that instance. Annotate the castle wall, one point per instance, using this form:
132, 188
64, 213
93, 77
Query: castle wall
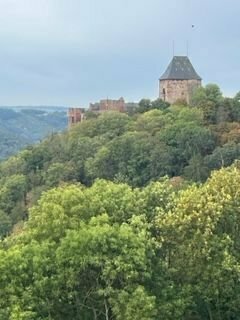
113, 105
108, 105
174, 90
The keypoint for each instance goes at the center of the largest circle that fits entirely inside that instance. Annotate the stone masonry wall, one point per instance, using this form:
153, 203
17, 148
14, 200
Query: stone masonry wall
177, 90
113, 105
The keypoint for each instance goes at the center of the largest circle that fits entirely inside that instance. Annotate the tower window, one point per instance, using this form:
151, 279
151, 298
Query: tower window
164, 94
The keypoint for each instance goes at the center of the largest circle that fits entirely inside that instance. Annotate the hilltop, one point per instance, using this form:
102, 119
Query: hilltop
157, 140
92, 228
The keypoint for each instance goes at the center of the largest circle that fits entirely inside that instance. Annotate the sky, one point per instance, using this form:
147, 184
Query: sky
73, 52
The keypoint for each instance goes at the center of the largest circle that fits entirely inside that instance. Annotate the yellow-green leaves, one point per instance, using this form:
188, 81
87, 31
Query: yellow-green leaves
114, 252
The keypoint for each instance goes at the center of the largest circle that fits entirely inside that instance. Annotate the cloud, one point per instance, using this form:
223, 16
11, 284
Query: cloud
74, 51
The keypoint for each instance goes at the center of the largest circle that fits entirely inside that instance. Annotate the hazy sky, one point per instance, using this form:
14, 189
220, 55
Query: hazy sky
71, 52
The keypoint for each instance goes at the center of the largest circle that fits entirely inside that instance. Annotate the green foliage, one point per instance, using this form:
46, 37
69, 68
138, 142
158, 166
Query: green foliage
5, 224
196, 170
115, 252
12, 196
134, 306
223, 156
132, 155
211, 93
202, 248
157, 140
105, 250
139, 244
147, 105
216, 109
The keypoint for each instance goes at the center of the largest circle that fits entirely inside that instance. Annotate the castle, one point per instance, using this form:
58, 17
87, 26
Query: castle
176, 84
179, 81
76, 114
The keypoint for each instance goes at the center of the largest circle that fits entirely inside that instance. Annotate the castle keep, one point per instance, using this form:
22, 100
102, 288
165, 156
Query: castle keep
176, 84
179, 81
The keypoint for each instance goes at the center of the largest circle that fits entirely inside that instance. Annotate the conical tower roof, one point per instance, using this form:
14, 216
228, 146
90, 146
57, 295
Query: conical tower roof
180, 68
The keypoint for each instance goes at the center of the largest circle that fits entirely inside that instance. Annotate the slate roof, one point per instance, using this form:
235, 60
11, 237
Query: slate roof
180, 68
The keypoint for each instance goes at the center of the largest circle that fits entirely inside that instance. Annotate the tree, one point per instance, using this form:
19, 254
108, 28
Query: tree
134, 155
186, 140
199, 97
196, 170
56, 173
151, 121
237, 97
208, 99
144, 105
201, 245
106, 262
13, 194
223, 156
135, 305
160, 104
213, 93
5, 224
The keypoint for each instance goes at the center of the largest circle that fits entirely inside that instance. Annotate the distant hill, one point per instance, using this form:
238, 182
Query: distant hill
22, 126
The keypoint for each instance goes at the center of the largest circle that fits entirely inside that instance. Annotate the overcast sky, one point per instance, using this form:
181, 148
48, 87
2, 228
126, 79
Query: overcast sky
72, 52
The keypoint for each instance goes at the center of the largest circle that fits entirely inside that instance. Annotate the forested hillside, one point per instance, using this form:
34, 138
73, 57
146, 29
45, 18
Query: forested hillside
22, 127
181, 142
132, 222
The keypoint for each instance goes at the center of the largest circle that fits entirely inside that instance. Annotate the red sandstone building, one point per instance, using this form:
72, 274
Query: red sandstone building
108, 105
75, 115
176, 84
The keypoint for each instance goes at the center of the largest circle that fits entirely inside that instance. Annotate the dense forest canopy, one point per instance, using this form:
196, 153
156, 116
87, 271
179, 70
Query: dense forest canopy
124, 218
111, 251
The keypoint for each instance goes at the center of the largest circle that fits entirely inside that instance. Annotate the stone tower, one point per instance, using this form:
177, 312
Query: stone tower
75, 115
179, 81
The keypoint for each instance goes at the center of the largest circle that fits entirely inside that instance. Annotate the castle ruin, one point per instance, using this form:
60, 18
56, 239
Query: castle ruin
75, 115
108, 105
176, 84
